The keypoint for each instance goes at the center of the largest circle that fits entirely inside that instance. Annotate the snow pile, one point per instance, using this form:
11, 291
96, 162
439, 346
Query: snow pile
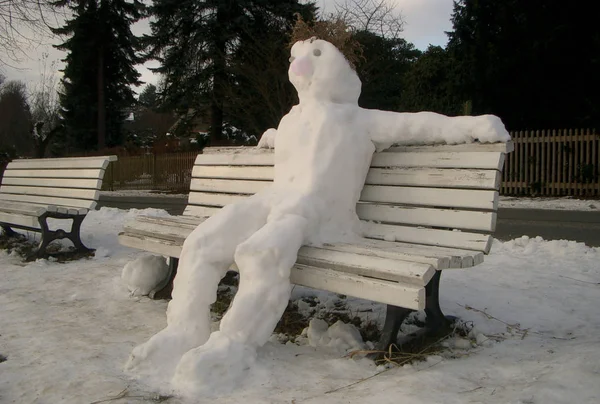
145, 274
564, 203
340, 336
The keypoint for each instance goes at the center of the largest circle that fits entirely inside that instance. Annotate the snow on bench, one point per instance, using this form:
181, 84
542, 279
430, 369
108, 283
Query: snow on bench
424, 209
34, 190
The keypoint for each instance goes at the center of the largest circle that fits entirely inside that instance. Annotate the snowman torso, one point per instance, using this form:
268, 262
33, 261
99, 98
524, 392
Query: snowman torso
322, 158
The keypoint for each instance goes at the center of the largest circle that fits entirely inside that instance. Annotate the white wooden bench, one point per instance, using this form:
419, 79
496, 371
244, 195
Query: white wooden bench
34, 190
424, 210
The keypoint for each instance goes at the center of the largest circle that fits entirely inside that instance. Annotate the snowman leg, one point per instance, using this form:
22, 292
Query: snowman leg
207, 254
264, 261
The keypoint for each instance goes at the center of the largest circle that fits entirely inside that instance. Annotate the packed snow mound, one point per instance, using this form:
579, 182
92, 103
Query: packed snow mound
144, 274
526, 245
340, 336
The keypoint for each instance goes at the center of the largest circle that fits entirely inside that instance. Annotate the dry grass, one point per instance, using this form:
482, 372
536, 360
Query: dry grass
336, 32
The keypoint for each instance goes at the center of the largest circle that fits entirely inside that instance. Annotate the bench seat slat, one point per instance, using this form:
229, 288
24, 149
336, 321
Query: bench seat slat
47, 200
437, 257
54, 182
19, 219
57, 192
58, 173
425, 236
27, 209
380, 290
386, 292
421, 177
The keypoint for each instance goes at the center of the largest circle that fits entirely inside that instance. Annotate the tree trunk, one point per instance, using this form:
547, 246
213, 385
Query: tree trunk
101, 101
219, 78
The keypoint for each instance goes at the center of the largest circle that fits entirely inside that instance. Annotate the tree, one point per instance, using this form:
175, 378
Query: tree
534, 63
15, 120
199, 42
148, 97
382, 68
22, 24
45, 109
378, 17
429, 85
100, 70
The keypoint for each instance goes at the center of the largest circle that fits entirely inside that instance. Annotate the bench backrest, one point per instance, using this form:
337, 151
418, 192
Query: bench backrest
433, 195
72, 182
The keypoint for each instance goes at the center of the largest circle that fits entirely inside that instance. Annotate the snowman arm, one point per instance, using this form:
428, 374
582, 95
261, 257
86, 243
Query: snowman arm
267, 140
387, 128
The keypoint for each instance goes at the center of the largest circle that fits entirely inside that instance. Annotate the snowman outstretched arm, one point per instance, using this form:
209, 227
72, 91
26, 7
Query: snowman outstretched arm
387, 128
267, 140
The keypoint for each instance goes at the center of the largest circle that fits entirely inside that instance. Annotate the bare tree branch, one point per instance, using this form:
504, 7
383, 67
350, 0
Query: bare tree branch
377, 16
23, 25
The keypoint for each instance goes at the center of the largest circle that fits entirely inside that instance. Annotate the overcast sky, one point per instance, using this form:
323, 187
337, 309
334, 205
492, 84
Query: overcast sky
425, 23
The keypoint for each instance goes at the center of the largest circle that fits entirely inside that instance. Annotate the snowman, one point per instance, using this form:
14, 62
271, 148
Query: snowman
323, 150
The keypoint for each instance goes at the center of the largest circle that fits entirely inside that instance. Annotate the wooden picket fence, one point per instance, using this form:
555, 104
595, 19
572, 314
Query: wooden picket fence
553, 163
164, 172
544, 163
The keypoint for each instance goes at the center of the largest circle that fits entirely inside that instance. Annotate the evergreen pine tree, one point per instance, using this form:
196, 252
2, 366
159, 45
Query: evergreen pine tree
209, 50
99, 72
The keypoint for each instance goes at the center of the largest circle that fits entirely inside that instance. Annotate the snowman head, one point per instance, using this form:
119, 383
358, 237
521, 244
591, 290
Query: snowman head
319, 71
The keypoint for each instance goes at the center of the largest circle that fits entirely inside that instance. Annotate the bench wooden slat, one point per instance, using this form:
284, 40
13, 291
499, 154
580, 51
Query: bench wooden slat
19, 219
447, 258
54, 182
386, 292
46, 191
227, 186
69, 210
421, 177
474, 147
177, 230
481, 160
452, 219
465, 147
387, 264
383, 291
23, 208
425, 236
222, 192
61, 163
78, 203
200, 211
434, 237
62, 173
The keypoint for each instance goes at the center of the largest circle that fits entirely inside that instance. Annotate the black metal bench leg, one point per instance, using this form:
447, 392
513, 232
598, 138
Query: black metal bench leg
8, 231
163, 291
436, 320
393, 320
75, 234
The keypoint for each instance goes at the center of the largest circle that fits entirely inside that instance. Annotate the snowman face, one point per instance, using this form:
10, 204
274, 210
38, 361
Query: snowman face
319, 71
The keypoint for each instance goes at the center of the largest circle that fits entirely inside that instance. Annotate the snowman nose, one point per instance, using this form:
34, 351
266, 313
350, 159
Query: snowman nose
302, 67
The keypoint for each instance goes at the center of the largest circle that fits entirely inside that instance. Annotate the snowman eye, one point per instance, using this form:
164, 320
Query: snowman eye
317, 52
292, 59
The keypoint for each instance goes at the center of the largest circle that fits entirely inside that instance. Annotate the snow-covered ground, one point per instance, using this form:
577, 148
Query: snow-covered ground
67, 330
563, 203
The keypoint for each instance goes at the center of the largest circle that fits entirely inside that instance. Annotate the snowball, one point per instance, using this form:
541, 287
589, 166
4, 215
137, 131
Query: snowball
340, 336
144, 274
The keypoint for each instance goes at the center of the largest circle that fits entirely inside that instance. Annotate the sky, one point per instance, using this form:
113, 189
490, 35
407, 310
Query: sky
426, 22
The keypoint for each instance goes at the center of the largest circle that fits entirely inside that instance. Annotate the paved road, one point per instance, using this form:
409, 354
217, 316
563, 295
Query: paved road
550, 224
